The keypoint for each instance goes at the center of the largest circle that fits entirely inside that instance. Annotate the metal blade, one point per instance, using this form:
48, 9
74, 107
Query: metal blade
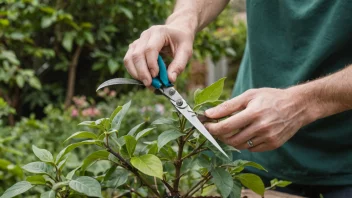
192, 118
182, 106
119, 81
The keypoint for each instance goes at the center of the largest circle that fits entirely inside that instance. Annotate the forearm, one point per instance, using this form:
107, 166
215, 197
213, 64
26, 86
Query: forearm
326, 96
194, 15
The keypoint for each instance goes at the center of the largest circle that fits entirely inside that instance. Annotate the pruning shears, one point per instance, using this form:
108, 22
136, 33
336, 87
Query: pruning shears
162, 83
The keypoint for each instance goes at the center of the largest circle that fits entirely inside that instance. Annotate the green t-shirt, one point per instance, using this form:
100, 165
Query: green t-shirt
291, 42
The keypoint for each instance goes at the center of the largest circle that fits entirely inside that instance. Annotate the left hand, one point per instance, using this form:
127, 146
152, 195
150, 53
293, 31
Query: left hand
268, 117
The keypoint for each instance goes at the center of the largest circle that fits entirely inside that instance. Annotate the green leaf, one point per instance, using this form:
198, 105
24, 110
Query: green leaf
134, 129
20, 81
118, 109
90, 124
279, 183
152, 148
236, 190
113, 66
17, 189
71, 173
17, 36
210, 93
168, 136
93, 157
35, 83
116, 122
70, 147
62, 163
36, 179
36, 167
47, 21
47, 9
86, 185
196, 93
48, 194
131, 143
252, 182
89, 37
82, 134
240, 164
67, 41
149, 165
116, 179
143, 133
223, 181
127, 12
164, 121
43, 154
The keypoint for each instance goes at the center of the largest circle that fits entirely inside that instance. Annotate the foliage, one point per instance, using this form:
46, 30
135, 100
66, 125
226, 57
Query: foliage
43, 42
173, 165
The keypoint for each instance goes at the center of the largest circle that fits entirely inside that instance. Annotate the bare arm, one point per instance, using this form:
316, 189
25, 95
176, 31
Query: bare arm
175, 38
328, 95
196, 14
269, 117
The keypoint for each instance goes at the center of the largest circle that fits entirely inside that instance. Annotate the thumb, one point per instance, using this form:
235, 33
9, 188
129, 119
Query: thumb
183, 54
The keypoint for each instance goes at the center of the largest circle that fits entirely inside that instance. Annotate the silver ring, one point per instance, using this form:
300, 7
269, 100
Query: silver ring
250, 143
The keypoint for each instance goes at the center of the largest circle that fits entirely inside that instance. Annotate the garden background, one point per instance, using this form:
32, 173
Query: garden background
54, 53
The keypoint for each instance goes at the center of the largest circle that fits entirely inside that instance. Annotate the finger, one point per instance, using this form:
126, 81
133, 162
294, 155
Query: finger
139, 60
246, 134
231, 124
255, 141
228, 107
129, 63
182, 55
261, 148
153, 47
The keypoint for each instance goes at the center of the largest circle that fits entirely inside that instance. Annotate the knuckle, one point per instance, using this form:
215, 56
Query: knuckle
137, 56
144, 33
250, 92
189, 52
273, 142
126, 60
149, 49
233, 142
226, 105
178, 69
264, 126
225, 127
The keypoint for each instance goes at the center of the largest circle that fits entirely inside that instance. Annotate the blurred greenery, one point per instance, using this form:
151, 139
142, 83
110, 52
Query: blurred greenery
54, 53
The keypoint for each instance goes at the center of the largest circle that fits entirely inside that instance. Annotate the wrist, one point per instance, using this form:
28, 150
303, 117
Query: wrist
185, 19
310, 106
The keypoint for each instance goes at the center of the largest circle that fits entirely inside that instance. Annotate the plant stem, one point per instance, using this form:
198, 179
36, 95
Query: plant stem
196, 151
189, 133
199, 184
178, 165
168, 186
130, 167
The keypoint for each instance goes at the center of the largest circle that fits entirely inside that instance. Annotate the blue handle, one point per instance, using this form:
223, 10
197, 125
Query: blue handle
162, 79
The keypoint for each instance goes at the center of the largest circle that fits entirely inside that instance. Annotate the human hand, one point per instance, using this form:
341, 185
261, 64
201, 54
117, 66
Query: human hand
141, 57
267, 117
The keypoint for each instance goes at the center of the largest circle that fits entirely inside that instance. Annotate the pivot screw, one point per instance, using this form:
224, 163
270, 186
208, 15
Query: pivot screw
179, 102
172, 92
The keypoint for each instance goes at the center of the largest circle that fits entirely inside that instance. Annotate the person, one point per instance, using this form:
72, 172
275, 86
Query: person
293, 95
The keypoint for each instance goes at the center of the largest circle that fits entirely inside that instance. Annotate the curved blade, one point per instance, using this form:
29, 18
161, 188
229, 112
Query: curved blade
119, 81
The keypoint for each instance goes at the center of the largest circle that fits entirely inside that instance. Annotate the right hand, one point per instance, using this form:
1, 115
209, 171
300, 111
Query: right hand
142, 55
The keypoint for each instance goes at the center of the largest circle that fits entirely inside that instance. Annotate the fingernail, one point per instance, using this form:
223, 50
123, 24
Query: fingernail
145, 82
